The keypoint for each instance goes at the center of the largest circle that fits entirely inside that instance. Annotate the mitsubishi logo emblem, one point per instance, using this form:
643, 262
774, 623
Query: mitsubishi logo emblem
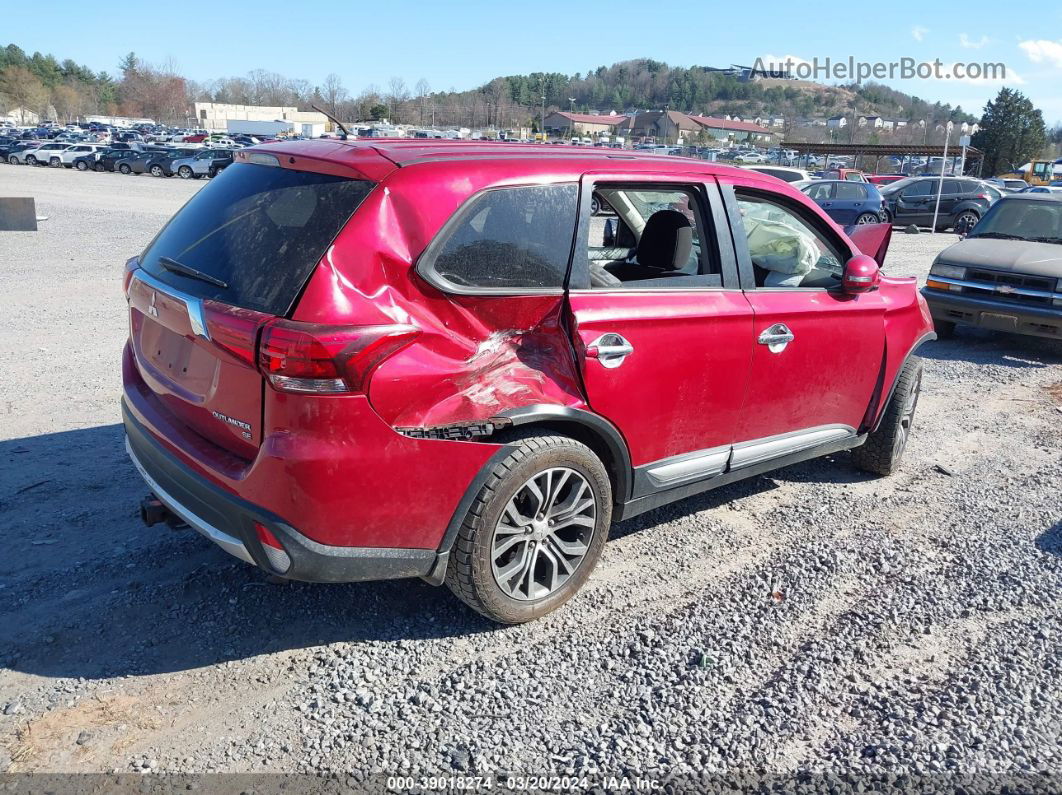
152, 309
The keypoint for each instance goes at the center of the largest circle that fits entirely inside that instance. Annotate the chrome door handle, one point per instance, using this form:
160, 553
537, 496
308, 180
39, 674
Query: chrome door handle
609, 349
776, 337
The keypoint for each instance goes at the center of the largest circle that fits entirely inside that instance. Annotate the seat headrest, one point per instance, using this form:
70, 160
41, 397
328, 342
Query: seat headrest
667, 241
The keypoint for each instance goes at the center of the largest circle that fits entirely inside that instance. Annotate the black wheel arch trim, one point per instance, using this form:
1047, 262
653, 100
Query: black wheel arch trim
554, 418
929, 336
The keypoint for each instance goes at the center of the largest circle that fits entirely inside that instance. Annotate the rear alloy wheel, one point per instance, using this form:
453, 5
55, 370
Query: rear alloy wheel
31, 160
884, 447
868, 218
185, 172
99, 167
156, 171
125, 169
81, 165
535, 530
55, 162
968, 218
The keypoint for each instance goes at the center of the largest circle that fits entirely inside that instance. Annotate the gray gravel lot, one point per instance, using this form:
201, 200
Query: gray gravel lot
919, 633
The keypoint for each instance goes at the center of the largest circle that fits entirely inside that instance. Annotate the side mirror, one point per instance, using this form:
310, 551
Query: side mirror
861, 275
609, 236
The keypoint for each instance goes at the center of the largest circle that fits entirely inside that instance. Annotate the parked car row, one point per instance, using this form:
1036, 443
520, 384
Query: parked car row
849, 197
185, 162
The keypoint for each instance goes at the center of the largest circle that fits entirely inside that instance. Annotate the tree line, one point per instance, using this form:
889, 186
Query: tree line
43, 84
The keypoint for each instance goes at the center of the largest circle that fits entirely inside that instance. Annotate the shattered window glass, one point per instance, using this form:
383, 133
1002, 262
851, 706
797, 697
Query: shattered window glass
511, 238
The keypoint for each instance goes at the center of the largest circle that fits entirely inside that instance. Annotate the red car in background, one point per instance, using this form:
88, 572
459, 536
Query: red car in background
354, 360
884, 179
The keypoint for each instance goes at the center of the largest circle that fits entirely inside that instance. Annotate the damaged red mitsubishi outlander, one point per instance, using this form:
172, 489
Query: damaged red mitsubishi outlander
463, 361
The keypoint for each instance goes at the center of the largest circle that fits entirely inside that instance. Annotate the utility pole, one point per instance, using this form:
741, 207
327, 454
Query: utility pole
940, 182
543, 118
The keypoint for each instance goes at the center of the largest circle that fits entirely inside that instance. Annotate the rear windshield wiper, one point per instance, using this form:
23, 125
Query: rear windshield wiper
185, 270
1046, 239
1000, 235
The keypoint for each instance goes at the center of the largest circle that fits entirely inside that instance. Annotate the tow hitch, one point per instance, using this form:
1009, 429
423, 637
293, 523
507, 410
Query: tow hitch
152, 512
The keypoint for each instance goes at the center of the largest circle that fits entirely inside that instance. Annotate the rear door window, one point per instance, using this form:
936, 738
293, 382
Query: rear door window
256, 232
849, 191
506, 239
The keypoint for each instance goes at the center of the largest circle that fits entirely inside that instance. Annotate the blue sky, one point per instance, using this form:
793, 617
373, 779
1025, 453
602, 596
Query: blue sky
460, 45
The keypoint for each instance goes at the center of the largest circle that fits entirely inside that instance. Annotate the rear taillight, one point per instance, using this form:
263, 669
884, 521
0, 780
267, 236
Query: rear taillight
305, 357
234, 330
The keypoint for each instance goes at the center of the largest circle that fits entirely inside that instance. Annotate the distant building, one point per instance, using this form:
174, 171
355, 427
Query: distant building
564, 124
21, 116
733, 130
119, 121
837, 122
215, 116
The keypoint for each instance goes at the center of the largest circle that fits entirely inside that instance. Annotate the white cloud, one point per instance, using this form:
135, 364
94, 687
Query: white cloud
1043, 51
918, 33
970, 44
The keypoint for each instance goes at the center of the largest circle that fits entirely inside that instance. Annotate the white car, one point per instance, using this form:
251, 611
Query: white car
46, 155
784, 173
750, 157
67, 156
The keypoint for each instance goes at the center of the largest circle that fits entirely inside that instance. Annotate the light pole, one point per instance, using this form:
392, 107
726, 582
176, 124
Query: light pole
543, 118
940, 183
571, 122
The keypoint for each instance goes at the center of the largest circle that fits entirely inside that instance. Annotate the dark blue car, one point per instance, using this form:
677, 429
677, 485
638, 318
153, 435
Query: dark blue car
847, 202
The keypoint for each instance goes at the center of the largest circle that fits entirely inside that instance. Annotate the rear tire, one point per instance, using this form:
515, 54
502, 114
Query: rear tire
185, 172
99, 167
82, 165
966, 214
156, 171
882, 451
867, 218
517, 556
125, 169
31, 160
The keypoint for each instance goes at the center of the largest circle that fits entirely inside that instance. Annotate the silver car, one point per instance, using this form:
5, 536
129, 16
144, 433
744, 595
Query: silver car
205, 163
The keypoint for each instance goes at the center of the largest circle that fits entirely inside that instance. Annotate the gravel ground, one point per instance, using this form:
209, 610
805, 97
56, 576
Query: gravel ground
914, 629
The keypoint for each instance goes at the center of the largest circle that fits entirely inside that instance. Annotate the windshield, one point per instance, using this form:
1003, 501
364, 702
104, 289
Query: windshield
255, 232
1022, 219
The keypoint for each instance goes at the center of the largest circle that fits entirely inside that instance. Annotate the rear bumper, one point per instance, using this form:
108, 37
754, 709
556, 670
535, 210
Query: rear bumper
229, 521
993, 314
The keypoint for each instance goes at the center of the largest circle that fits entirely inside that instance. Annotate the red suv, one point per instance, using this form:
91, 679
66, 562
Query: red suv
355, 360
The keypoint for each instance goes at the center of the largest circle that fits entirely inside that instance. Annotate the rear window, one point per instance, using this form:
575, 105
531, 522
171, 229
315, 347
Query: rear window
258, 229
849, 191
507, 239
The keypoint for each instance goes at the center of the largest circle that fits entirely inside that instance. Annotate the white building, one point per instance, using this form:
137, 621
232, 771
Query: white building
21, 116
215, 116
837, 122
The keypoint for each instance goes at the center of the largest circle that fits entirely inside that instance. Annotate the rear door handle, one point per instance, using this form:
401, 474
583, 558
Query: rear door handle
610, 349
776, 337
